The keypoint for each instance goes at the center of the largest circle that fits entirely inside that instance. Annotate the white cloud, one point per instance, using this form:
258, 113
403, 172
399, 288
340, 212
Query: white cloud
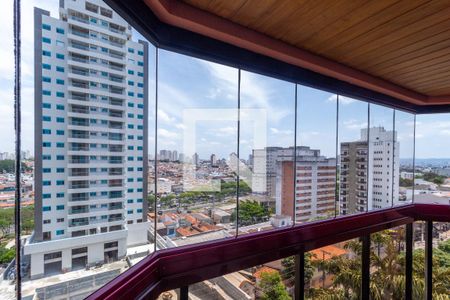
164, 133
163, 116
342, 99
354, 124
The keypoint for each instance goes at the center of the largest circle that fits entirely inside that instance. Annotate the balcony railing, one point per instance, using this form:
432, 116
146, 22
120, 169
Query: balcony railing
179, 267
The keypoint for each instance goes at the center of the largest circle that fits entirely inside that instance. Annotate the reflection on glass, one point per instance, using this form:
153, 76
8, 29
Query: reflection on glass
267, 128
354, 155
315, 174
197, 139
404, 127
383, 151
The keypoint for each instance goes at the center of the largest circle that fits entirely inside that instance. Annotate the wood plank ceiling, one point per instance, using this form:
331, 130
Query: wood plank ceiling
403, 42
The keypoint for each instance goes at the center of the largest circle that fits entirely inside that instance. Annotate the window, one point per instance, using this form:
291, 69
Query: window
59, 30
130, 72
46, 118
131, 94
59, 56
46, 79
59, 157
130, 211
130, 82
46, 131
60, 120
59, 69
140, 63
46, 170
46, 40
46, 144
46, 67
46, 157
60, 94
46, 53
59, 232
60, 81
60, 195
140, 52
59, 107
60, 43
46, 105
60, 182
46, 208
60, 207
46, 183
59, 132
46, 27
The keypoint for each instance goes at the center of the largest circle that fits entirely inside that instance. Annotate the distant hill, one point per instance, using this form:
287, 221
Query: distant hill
426, 162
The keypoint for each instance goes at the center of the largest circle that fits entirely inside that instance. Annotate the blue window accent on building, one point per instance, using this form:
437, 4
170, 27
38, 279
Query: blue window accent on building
104, 181
46, 157
59, 132
104, 50
104, 146
46, 131
140, 169
140, 105
139, 200
140, 52
46, 118
46, 67
139, 210
105, 86
60, 94
130, 115
139, 158
130, 190
130, 179
46, 170
139, 179
93, 20
130, 147
139, 190
140, 117
46, 53
93, 121
59, 170
46, 27
59, 145
140, 148
104, 205
46, 208
140, 127
46, 196
46, 144
59, 56
93, 194
140, 63
140, 95
46, 183
60, 120
130, 104
130, 50
130, 72
130, 201
60, 207
104, 122
104, 217
46, 93
140, 74
131, 94
130, 158
59, 107
59, 81
46, 105
59, 232
60, 30
60, 182
59, 157
59, 195
140, 137
130, 169
59, 69
130, 211
140, 84
130, 82
104, 193
46, 40
131, 137
46, 79
130, 126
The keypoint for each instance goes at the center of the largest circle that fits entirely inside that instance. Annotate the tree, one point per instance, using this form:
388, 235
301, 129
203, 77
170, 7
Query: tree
288, 272
272, 288
251, 212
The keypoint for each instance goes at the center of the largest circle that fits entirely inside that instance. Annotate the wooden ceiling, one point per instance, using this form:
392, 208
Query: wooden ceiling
405, 43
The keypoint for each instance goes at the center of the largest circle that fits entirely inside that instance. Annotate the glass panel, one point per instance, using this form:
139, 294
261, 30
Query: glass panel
383, 174
315, 180
332, 271
387, 271
353, 151
441, 260
197, 133
432, 158
404, 126
267, 128
85, 194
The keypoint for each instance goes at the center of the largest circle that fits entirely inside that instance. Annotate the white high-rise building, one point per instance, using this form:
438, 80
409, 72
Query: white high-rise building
369, 171
91, 138
213, 160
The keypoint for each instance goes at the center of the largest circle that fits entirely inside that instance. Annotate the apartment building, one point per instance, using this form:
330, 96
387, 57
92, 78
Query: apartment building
315, 185
91, 138
369, 173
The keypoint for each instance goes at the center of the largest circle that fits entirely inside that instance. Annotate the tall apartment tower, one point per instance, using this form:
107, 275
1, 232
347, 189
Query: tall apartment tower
314, 184
369, 174
90, 138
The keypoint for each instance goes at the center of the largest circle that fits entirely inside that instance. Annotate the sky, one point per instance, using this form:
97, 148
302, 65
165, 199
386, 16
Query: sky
188, 83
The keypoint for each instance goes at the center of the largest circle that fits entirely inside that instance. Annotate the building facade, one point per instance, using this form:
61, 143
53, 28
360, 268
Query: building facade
367, 165
313, 177
91, 91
